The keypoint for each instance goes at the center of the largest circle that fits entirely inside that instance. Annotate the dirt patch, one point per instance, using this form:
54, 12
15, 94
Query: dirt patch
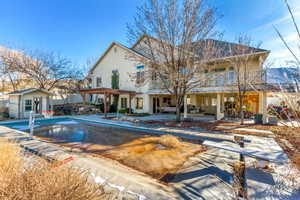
155, 156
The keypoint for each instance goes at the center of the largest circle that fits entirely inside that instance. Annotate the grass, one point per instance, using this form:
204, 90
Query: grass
28, 178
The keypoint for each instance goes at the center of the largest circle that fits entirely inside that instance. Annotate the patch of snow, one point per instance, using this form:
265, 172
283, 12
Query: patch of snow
99, 180
71, 122
141, 197
120, 188
23, 127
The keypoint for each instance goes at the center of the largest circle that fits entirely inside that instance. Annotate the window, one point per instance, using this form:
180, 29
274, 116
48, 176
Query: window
220, 79
154, 76
167, 100
214, 101
139, 103
28, 105
98, 82
231, 77
140, 74
123, 102
139, 77
206, 101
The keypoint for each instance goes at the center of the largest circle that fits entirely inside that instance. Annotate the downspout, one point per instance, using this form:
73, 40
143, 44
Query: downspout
19, 107
22, 106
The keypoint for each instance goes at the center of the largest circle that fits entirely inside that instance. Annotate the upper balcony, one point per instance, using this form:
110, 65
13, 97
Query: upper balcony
223, 79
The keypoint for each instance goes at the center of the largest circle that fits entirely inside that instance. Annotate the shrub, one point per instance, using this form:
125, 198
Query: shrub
27, 178
125, 110
4, 113
113, 108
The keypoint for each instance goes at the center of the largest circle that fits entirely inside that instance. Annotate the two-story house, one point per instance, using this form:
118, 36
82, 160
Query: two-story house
217, 96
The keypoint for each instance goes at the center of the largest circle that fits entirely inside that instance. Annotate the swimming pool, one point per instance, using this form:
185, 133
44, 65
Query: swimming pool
67, 130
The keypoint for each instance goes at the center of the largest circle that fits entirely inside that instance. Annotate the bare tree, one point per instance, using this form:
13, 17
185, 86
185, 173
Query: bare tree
43, 69
246, 79
77, 80
11, 80
289, 93
172, 44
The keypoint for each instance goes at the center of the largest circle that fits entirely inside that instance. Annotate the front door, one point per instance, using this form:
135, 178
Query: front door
156, 105
37, 104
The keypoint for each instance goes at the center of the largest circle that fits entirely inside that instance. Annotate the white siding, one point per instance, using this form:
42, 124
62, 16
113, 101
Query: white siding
117, 59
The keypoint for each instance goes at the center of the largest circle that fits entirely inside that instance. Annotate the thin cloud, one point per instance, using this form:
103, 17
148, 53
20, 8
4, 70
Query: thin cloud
285, 18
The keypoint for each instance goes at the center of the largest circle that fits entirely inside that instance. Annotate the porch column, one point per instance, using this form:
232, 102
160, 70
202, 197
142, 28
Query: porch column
219, 113
263, 105
105, 104
129, 103
185, 106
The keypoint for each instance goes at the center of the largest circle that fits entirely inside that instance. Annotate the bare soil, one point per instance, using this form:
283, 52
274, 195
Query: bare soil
154, 156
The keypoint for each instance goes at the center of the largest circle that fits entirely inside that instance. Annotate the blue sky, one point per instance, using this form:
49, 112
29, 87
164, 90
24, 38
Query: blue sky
82, 29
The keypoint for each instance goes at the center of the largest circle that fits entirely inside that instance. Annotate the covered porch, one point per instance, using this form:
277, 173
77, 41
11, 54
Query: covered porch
219, 105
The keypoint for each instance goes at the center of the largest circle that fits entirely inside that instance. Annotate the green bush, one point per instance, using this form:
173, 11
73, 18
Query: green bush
112, 108
125, 110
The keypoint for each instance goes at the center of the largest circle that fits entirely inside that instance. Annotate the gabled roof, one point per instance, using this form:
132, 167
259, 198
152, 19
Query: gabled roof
222, 50
225, 49
28, 90
109, 48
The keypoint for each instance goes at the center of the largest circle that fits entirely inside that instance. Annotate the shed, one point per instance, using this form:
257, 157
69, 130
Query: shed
23, 101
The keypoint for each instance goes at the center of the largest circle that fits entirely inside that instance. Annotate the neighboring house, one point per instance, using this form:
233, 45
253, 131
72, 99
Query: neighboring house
21, 102
217, 96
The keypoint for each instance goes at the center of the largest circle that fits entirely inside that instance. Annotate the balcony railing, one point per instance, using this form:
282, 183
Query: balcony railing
228, 78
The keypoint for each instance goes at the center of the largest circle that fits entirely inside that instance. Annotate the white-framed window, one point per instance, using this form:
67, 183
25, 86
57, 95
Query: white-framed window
140, 74
28, 105
123, 102
231, 77
214, 101
98, 82
139, 103
206, 101
154, 76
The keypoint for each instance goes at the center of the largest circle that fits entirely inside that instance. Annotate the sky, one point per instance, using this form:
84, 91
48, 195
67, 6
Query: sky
83, 29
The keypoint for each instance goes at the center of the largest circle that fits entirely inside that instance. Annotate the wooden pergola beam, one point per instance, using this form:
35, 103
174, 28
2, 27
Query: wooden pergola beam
106, 91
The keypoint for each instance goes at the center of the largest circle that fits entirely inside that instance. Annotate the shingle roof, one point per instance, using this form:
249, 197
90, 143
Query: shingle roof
222, 49
26, 91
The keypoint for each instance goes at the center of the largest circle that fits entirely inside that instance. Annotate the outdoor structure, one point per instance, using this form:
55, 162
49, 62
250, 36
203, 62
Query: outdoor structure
218, 96
21, 102
107, 96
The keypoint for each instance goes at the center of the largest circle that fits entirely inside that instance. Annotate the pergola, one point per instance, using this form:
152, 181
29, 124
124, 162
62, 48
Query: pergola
107, 92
